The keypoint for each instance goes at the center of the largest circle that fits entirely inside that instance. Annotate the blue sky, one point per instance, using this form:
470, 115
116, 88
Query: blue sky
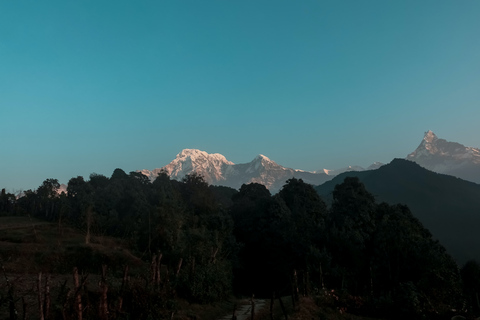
89, 86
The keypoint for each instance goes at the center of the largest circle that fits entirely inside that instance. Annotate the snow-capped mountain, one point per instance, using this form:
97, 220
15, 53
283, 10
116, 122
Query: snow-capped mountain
217, 170
375, 165
210, 166
336, 172
446, 157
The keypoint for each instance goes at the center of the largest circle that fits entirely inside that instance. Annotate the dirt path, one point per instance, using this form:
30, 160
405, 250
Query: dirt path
244, 311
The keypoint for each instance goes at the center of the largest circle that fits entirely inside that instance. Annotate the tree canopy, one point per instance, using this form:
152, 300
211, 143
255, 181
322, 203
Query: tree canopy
250, 241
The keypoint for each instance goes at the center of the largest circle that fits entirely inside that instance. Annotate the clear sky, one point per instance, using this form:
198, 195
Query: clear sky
93, 85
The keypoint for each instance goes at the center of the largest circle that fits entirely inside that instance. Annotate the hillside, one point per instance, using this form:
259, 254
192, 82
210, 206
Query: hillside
449, 207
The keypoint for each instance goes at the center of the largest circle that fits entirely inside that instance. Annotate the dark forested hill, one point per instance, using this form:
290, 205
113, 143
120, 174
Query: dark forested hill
449, 207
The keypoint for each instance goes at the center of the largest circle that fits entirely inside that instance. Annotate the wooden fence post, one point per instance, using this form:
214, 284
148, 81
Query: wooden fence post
40, 300
213, 255
234, 316
283, 308
271, 305
153, 269
122, 290
306, 283
294, 289
11, 299
11, 304
78, 295
103, 307
321, 277
47, 301
179, 266
24, 305
253, 308
158, 270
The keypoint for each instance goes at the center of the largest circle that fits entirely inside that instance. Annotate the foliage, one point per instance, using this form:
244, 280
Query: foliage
7, 203
470, 273
214, 241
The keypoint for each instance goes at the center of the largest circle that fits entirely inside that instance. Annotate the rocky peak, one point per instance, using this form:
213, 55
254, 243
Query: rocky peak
430, 137
442, 156
196, 155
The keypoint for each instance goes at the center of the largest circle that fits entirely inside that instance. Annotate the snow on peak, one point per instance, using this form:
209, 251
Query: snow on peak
190, 152
430, 137
326, 171
375, 165
427, 147
339, 171
261, 157
210, 166
197, 155
440, 155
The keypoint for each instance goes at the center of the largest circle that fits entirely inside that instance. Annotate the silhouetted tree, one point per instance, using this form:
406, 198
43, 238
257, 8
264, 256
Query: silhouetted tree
351, 222
7, 203
470, 273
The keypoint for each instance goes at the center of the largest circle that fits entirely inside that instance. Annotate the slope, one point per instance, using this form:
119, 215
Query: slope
449, 207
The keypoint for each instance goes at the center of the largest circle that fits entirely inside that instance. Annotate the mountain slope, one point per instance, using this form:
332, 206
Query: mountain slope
449, 207
446, 157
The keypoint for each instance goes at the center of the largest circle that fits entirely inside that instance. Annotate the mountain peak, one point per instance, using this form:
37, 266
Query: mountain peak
430, 137
261, 157
442, 156
196, 155
191, 152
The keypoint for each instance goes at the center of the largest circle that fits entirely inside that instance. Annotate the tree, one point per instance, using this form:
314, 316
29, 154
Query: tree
266, 232
351, 223
197, 195
470, 273
308, 214
7, 202
98, 180
119, 174
409, 266
47, 193
80, 195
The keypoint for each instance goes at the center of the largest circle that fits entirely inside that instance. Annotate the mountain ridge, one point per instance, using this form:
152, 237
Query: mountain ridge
448, 206
217, 170
433, 153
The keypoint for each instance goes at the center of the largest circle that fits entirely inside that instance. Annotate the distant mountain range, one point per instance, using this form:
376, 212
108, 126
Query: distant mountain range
434, 154
448, 206
217, 170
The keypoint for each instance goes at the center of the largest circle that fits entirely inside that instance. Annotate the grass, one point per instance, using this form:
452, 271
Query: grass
206, 312
29, 246
32, 245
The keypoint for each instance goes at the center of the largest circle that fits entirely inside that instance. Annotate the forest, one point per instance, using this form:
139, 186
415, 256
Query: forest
204, 244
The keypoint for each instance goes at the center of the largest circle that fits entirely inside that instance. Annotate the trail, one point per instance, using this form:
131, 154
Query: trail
244, 311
